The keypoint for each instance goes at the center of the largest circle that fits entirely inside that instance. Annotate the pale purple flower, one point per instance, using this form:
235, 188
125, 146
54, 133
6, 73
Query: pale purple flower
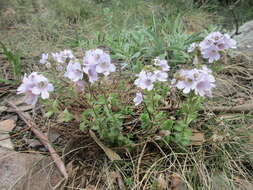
186, 80
67, 54
42, 87
44, 58
79, 85
90, 70
161, 75
192, 47
145, 80
27, 83
138, 98
204, 85
163, 64
211, 53
30, 98
57, 57
74, 71
105, 67
214, 43
33, 86
201, 81
95, 57
63, 56
97, 61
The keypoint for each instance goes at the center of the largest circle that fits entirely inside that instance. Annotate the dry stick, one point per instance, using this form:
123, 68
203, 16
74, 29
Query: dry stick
234, 109
226, 109
43, 139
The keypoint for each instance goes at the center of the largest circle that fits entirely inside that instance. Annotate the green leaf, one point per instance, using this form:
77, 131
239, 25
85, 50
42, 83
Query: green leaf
65, 116
180, 126
82, 126
49, 114
95, 127
145, 122
167, 125
187, 133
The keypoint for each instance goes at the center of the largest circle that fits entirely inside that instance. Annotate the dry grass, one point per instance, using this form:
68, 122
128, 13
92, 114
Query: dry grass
224, 161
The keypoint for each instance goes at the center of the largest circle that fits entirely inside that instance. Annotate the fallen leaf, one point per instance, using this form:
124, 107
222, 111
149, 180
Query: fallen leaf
109, 152
33, 143
114, 177
21, 108
6, 126
52, 135
176, 182
197, 138
162, 183
3, 108
90, 187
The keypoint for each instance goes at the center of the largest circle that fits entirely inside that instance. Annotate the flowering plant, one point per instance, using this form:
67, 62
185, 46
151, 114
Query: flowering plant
104, 105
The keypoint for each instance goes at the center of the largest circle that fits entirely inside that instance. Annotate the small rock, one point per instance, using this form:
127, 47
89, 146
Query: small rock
3, 108
21, 171
245, 39
6, 126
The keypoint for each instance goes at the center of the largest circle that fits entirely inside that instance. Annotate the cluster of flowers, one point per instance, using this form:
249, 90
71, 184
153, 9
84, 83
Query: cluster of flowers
148, 76
201, 81
94, 62
61, 58
212, 45
33, 86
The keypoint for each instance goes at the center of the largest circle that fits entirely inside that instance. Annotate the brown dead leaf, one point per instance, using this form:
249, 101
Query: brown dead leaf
197, 138
21, 108
3, 108
176, 182
114, 178
90, 187
109, 152
6, 126
162, 182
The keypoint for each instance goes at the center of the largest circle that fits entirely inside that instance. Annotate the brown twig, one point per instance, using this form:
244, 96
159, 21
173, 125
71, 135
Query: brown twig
14, 135
234, 109
43, 139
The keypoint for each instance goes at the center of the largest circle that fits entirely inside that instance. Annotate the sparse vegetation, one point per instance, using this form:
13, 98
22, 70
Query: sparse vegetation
197, 148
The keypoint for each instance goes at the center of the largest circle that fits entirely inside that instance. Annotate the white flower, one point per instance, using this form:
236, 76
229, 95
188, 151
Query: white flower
214, 43
90, 70
74, 71
105, 67
97, 61
57, 57
79, 85
62, 56
201, 81
138, 98
160, 75
44, 58
186, 80
211, 53
42, 87
33, 86
163, 64
145, 80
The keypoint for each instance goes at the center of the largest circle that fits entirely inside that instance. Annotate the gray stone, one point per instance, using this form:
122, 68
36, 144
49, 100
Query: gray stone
23, 171
245, 38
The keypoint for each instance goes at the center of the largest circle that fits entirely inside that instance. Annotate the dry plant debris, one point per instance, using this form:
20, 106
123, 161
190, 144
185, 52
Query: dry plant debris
7, 126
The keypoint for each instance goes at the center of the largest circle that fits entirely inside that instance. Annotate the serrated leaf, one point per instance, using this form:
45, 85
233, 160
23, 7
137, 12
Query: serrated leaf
82, 126
65, 116
167, 125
